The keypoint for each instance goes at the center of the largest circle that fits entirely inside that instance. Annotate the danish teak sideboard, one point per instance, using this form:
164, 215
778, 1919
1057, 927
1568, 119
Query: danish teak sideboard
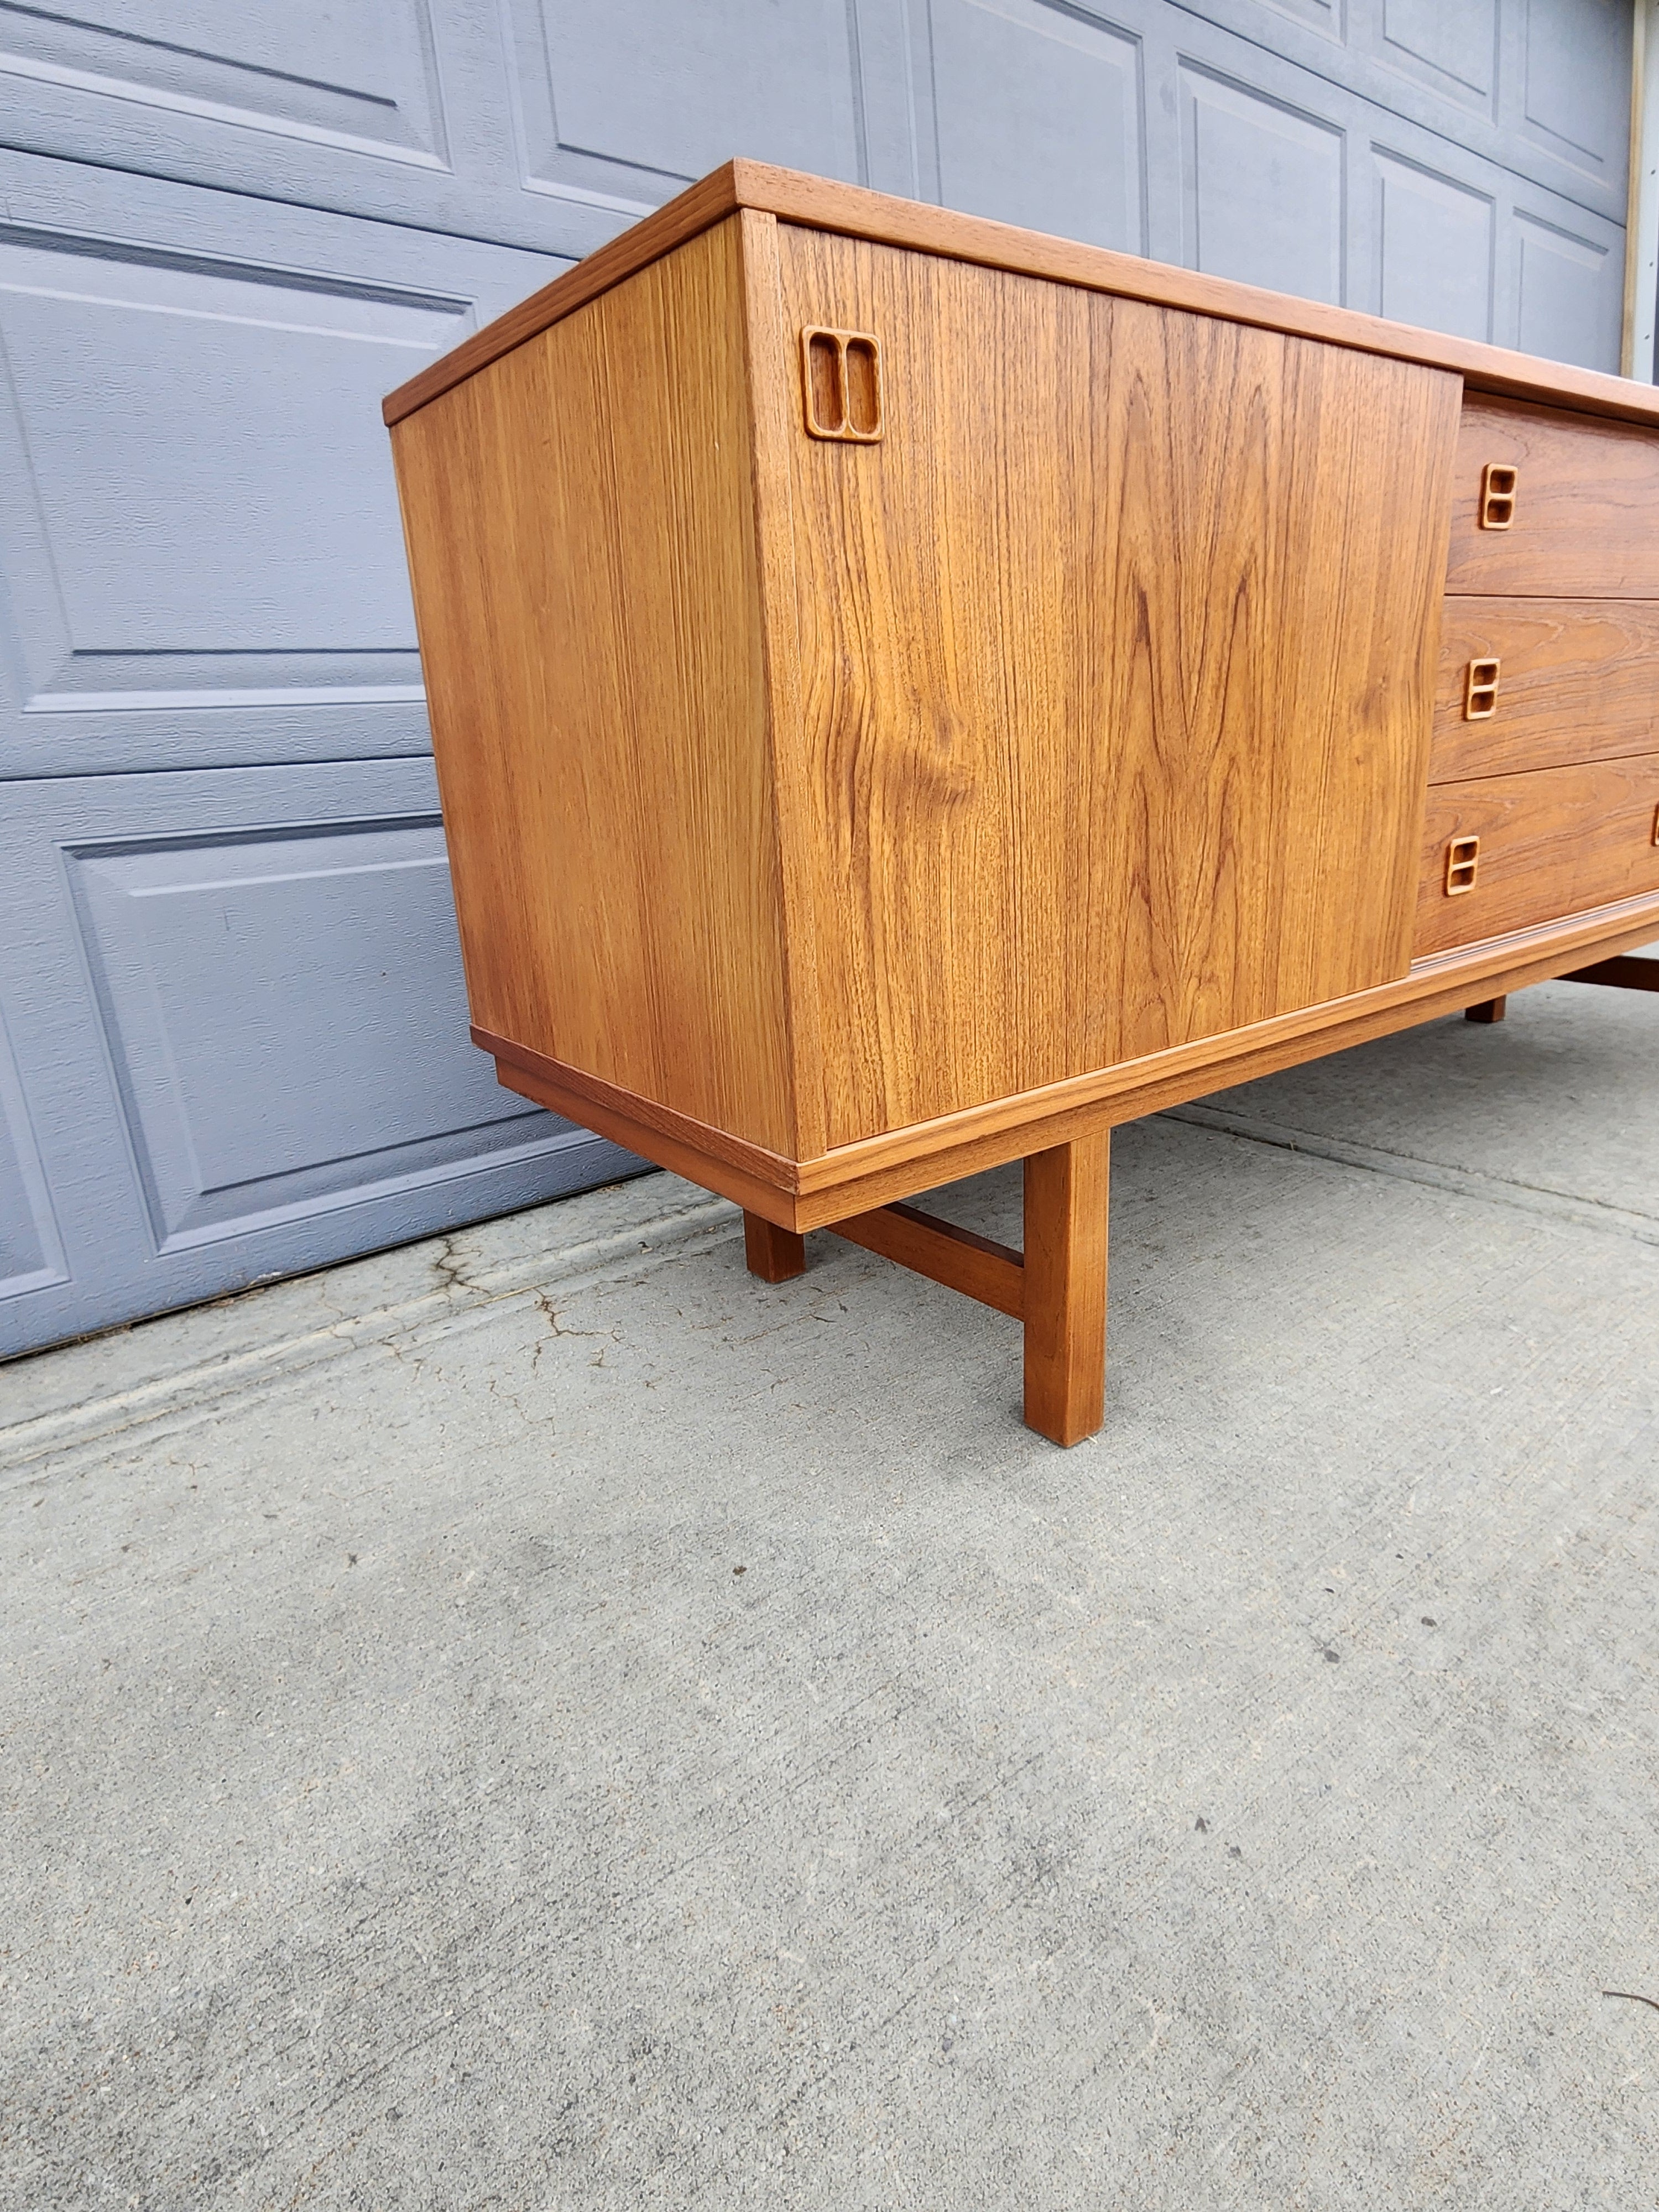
909, 693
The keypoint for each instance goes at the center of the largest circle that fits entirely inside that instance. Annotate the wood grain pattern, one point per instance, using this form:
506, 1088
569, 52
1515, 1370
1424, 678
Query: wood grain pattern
1066, 1192
961, 1259
867, 1175
818, 202
1586, 510
701, 207
1095, 774
1554, 842
1580, 681
581, 527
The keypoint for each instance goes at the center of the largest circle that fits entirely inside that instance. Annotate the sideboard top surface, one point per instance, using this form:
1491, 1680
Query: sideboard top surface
816, 203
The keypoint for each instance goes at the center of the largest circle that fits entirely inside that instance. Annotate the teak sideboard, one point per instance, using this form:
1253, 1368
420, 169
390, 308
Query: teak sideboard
909, 693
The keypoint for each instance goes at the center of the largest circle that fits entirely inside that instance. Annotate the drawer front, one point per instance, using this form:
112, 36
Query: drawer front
1584, 521
1577, 680
1551, 843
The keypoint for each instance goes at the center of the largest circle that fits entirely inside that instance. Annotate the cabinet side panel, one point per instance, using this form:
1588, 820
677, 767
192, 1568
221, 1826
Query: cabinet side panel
1118, 653
581, 527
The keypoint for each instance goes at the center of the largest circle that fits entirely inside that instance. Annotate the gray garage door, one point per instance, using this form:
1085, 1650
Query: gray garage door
232, 1028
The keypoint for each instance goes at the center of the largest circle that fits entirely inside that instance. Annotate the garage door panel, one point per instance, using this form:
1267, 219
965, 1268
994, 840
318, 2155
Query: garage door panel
202, 555
1040, 119
31, 1253
239, 470
1453, 51
1262, 189
557, 123
1568, 302
399, 110
1323, 17
1576, 95
237, 1008
645, 94
1437, 247
1538, 87
285, 1015
362, 77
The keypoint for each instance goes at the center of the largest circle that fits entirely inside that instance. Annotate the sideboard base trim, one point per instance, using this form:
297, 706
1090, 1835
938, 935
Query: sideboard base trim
900, 1163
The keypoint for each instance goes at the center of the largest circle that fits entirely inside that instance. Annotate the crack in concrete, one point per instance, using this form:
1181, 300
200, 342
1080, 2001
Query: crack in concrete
393, 1326
1536, 1199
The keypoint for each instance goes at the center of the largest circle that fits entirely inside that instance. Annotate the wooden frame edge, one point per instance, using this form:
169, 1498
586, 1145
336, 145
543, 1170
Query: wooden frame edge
674, 1153
816, 203
761, 1180
771, 420
707, 202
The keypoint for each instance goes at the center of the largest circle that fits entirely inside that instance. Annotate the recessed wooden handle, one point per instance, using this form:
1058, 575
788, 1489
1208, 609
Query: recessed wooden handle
1462, 861
841, 384
1499, 482
1481, 691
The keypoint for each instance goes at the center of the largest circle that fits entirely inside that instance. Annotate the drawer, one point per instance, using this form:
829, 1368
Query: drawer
1577, 680
1551, 842
1585, 518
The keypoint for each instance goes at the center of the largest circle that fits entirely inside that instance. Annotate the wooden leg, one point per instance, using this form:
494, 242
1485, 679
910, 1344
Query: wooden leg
1489, 1010
773, 1253
1066, 1197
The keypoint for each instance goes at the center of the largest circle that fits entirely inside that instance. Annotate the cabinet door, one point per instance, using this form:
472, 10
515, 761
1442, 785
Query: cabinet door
1118, 649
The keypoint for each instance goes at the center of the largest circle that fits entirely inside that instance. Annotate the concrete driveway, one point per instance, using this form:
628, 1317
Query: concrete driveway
539, 1719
